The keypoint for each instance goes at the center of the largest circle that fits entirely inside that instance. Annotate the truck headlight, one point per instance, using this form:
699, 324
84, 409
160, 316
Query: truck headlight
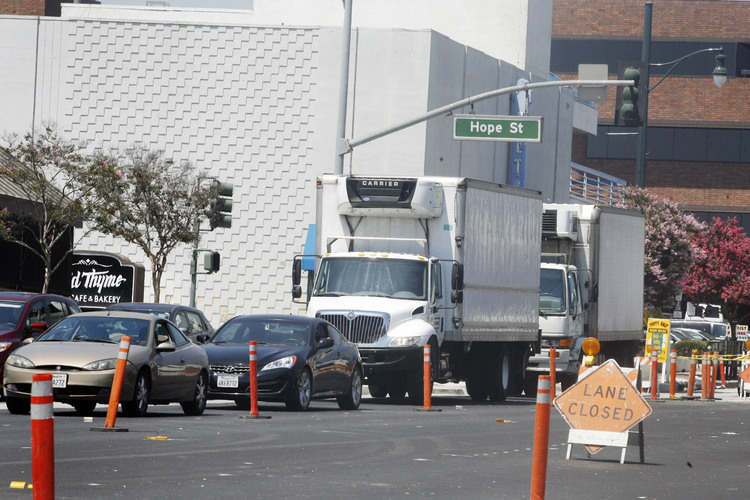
102, 364
405, 341
19, 361
286, 362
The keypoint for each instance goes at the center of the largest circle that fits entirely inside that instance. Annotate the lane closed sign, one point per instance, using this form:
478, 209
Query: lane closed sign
604, 400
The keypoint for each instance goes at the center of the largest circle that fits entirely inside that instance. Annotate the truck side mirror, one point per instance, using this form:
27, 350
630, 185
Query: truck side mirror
457, 296
296, 272
457, 277
296, 291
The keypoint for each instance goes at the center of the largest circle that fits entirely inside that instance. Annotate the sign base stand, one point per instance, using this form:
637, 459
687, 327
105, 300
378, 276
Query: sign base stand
610, 439
108, 429
255, 417
427, 409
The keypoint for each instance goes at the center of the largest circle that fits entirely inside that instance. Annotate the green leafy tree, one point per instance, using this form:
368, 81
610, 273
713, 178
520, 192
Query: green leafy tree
668, 251
150, 202
46, 170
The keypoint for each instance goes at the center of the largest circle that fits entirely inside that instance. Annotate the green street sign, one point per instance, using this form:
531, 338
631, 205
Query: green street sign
497, 128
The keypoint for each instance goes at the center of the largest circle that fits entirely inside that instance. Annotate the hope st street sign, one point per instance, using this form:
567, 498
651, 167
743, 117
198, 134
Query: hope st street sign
497, 128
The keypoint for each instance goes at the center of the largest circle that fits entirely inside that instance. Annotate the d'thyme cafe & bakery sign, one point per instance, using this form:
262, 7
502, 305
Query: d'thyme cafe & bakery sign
99, 279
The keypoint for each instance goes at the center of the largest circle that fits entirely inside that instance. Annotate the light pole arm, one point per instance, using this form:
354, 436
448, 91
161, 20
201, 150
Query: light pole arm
677, 62
349, 145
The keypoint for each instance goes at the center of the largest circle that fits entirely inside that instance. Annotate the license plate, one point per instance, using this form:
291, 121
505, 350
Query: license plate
59, 380
228, 381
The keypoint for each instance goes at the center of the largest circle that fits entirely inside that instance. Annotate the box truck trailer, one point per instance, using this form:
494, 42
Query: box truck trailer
450, 262
591, 285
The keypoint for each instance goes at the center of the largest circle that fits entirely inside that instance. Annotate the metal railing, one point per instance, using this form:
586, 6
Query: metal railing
587, 184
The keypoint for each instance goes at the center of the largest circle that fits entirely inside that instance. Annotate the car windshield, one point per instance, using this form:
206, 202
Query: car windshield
154, 312
394, 278
10, 313
703, 327
98, 329
552, 291
243, 330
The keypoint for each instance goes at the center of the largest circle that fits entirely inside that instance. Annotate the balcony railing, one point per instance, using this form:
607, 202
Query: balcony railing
587, 184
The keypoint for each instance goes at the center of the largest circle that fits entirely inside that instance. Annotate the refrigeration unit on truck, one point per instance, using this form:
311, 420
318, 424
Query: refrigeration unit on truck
453, 262
591, 285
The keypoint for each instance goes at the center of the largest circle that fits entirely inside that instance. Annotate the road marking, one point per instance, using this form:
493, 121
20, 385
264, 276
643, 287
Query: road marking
17, 485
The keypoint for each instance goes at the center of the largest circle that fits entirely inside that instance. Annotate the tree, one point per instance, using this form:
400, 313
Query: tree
668, 251
47, 170
150, 202
720, 273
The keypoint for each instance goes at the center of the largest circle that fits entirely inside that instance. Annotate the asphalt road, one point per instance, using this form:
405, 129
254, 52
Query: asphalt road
693, 450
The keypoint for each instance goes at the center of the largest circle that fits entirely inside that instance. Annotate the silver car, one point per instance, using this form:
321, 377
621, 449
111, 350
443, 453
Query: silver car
81, 353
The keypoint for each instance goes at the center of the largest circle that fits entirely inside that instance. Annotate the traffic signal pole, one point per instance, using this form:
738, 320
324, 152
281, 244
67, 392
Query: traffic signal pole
346, 42
640, 157
194, 261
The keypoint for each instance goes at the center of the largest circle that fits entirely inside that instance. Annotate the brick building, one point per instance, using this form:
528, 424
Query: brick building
699, 135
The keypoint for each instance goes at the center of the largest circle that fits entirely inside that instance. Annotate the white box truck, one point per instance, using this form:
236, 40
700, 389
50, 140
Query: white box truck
591, 285
452, 262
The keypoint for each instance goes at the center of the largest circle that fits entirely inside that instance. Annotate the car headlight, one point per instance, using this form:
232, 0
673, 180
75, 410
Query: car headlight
5, 346
286, 362
405, 341
19, 361
102, 364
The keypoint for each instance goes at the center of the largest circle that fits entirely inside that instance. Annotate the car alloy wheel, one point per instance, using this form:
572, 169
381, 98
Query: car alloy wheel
139, 405
351, 399
356, 388
200, 398
304, 389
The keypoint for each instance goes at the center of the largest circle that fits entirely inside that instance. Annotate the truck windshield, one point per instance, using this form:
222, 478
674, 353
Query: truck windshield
552, 291
394, 278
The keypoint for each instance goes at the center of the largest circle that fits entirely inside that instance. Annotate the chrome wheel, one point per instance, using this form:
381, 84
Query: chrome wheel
304, 389
141, 395
200, 398
356, 387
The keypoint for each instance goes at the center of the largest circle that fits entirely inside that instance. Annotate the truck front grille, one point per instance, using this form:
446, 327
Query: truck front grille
357, 327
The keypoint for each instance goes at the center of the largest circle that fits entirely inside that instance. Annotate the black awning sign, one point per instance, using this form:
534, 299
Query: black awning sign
99, 280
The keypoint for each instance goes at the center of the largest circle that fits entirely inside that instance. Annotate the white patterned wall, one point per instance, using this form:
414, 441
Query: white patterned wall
234, 101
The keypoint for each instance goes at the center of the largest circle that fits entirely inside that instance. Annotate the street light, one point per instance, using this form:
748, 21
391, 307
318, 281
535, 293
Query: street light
720, 70
719, 76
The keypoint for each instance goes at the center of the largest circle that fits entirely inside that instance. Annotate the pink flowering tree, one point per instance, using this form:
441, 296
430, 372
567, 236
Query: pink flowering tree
720, 273
668, 252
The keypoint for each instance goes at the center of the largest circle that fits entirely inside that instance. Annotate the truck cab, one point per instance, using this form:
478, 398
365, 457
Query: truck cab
560, 318
389, 304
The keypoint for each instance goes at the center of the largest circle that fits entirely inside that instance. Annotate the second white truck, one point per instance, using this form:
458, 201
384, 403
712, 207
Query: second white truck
591, 285
450, 262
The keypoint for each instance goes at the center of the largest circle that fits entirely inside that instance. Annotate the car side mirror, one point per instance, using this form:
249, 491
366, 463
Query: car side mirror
165, 346
325, 343
202, 338
27, 340
38, 326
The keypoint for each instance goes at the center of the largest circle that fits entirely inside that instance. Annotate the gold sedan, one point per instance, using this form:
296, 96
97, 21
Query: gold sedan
81, 352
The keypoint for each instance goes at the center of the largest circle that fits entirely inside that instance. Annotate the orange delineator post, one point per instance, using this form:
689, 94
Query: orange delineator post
711, 376
552, 371
654, 375
714, 373
673, 374
722, 371
426, 379
114, 395
252, 348
42, 437
704, 376
691, 377
541, 439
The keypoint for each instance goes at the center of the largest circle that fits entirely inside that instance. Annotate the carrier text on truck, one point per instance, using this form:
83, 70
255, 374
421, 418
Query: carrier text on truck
452, 262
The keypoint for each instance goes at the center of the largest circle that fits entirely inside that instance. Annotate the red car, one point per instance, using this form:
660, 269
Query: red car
24, 315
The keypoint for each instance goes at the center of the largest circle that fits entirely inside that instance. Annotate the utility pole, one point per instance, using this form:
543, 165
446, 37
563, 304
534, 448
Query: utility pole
346, 39
640, 157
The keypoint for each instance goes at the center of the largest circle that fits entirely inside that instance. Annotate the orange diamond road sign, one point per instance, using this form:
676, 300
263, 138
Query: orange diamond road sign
745, 375
605, 400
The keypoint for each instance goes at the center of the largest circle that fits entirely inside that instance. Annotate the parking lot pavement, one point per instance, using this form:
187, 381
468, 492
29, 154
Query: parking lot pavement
693, 450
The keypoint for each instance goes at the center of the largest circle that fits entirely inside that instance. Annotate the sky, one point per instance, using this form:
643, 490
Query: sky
205, 4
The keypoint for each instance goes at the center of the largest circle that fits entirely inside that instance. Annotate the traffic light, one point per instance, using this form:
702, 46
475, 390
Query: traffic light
628, 113
212, 262
220, 208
